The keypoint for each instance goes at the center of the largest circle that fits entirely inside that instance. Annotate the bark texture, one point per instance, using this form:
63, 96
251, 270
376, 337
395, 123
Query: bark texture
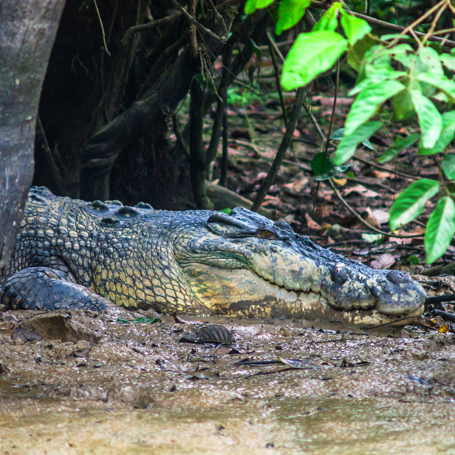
27, 33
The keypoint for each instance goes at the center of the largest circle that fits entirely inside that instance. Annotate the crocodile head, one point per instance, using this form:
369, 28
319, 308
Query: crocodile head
245, 264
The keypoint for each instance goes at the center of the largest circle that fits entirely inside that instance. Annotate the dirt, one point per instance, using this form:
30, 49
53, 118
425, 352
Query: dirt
75, 382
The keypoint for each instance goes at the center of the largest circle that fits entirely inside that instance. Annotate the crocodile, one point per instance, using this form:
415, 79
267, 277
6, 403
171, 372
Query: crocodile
94, 255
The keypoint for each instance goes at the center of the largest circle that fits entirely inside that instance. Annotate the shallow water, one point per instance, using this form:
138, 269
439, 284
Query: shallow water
99, 386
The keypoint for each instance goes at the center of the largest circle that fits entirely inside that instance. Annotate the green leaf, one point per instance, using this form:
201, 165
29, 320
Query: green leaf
338, 135
252, 5
289, 13
448, 166
445, 138
227, 211
448, 61
123, 321
349, 143
321, 164
440, 229
429, 61
402, 106
357, 52
383, 75
354, 28
439, 81
311, 55
329, 20
430, 120
399, 144
144, 320
409, 204
368, 101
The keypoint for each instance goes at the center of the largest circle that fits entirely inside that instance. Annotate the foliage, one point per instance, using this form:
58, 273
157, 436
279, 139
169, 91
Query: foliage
417, 81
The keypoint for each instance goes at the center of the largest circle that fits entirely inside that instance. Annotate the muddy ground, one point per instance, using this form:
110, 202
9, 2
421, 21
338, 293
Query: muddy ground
75, 382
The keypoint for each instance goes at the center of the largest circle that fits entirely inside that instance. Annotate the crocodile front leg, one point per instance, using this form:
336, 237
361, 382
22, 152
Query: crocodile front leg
45, 288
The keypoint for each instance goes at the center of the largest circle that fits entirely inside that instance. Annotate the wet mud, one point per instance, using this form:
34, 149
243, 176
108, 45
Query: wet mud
76, 382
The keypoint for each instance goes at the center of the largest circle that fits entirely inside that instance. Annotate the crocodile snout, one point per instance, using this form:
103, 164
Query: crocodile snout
397, 293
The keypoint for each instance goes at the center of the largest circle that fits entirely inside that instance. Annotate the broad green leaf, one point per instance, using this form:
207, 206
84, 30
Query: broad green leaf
356, 53
440, 229
289, 13
448, 61
383, 75
439, 81
430, 120
448, 166
338, 135
321, 164
399, 144
402, 106
445, 138
409, 204
311, 55
329, 20
348, 144
368, 101
429, 61
354, 28
252, 5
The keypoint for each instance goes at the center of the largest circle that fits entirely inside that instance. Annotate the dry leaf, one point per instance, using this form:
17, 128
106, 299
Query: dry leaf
340, 182
384, 261
296, 188
380, 174
312, 224
360, 189
382, 216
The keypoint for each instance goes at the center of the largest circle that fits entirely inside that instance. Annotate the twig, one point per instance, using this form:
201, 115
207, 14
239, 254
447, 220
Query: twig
192, 38
287, 138
332, 117
447, 316
440, 298
386, 25
151, 25
444, 269
218, 16
274, 50
392, 171
102, 28
220, 108
196, 23
366, 182
379, 231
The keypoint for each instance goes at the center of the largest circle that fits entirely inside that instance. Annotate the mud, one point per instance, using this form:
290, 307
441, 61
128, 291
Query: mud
76, 383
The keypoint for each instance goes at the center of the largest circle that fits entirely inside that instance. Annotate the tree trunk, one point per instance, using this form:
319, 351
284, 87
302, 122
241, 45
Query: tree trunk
27, 33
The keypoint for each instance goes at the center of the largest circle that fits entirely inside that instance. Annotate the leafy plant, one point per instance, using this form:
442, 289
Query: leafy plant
389, 70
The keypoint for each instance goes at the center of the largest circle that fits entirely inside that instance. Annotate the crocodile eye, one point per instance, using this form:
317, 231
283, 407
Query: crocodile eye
265, 234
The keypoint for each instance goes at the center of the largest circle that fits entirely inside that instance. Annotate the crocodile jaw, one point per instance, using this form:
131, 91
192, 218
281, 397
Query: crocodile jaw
243, 293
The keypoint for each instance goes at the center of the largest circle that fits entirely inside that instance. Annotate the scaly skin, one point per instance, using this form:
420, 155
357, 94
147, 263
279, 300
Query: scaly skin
75, 254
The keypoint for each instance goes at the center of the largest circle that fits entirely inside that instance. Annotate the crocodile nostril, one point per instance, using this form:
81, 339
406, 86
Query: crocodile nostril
397, 277
339, 275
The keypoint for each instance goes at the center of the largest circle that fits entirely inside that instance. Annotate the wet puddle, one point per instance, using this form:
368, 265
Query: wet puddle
76, 383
